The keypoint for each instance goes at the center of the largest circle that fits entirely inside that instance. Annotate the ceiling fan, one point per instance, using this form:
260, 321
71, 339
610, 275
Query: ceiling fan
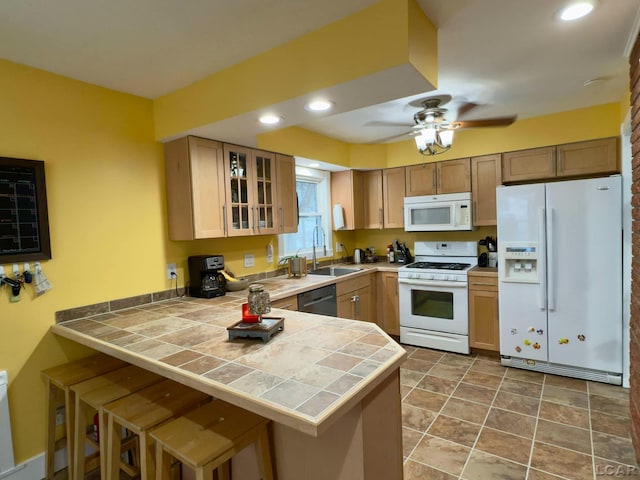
433, 133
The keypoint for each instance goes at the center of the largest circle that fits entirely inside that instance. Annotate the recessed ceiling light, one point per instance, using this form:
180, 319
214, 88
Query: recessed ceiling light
314, 165
319, 105
270, 119
576, 10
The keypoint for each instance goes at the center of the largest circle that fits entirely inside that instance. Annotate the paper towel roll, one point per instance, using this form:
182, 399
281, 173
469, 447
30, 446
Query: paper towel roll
338, 217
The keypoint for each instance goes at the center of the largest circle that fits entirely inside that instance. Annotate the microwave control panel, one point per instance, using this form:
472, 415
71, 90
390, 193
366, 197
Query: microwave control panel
519, 263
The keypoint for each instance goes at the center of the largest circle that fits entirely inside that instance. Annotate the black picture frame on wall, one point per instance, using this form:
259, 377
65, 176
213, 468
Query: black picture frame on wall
24, 219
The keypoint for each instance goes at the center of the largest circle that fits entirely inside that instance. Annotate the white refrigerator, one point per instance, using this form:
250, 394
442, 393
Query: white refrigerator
560, 277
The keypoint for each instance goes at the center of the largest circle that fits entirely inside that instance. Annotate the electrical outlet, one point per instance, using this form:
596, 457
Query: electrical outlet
248, 260
339, 247
172, 271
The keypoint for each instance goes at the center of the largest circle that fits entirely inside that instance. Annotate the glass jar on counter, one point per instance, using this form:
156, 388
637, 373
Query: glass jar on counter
259, 301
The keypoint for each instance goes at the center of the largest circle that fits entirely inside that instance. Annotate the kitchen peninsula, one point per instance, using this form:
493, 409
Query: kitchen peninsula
330, 385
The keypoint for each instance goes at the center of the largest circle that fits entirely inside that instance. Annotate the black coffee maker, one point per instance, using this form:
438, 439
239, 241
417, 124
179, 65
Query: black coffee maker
205, 279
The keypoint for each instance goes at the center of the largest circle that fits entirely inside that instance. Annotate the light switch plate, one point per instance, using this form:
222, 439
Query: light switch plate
248, 260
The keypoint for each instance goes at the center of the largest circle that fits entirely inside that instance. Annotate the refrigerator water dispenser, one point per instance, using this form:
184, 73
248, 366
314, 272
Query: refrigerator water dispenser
519, 263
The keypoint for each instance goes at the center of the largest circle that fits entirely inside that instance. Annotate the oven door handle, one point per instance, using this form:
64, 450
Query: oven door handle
428, 283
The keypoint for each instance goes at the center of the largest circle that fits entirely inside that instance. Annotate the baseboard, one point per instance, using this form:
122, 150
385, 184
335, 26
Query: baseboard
29, 470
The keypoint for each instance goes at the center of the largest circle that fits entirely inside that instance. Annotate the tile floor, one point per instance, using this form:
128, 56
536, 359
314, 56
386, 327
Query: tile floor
468, 417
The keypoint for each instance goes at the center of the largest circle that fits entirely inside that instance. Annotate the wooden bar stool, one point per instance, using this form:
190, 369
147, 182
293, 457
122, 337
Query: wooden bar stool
205, 439
59, 394
90, 396
139, 413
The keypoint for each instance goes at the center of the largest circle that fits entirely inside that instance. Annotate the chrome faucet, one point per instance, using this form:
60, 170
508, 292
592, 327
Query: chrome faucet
316, 230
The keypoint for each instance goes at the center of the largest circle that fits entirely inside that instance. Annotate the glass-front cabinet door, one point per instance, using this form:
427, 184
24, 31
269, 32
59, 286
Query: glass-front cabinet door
250, 191
265, 170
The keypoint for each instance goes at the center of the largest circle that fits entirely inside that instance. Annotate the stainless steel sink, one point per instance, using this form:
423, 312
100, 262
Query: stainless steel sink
334, 271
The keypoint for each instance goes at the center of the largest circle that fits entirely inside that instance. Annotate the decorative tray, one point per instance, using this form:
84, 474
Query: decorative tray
263, 330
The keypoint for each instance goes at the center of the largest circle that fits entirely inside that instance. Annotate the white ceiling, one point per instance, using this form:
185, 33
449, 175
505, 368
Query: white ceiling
510, 56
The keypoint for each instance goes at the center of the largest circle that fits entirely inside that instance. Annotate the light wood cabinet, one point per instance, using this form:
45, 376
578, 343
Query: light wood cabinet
533, 164
421, 179
250, 191
393, 193
373, 209
454, 176
486, 175
484, 328
288, 303
287, 197
579, 159
222, 190
451, 176
387, 305
347, 189
195, 193
355, 298
587, 158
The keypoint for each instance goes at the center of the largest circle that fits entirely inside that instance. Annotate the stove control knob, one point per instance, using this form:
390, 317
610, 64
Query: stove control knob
439, 277
430, 276
451, 278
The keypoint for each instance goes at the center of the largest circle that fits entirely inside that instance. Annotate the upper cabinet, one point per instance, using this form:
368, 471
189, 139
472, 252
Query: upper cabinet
421, 179
195, 188
373, 211
594, 157
393, 193
486, 175
451, 176
287, 197
222, 190
587, 158
370, 199
250, 191
347, 190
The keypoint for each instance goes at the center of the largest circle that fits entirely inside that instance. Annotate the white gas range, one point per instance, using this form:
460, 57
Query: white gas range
433, 297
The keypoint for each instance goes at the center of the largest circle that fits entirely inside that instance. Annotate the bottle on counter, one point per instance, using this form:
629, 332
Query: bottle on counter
391, 255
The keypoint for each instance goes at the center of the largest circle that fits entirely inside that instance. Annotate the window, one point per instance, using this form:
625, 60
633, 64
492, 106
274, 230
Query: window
312, 187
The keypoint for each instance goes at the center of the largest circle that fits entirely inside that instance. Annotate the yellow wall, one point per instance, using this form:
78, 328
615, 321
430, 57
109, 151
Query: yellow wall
105, 188
106, 214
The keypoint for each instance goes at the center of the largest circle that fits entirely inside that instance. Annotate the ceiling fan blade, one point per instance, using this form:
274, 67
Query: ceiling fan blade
466, 108
488, 122
379, 123
392, 137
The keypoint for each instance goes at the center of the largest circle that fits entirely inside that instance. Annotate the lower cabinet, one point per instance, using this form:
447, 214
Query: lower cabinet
355, 298
288, 303
388, 311
484, 329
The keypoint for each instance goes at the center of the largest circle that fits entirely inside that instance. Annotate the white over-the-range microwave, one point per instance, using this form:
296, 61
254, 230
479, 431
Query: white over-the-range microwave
438, 213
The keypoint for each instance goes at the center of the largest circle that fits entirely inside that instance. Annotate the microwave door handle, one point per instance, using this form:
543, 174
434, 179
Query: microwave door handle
454, 207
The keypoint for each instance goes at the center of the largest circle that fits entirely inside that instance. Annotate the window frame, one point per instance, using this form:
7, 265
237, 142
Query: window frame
323, 179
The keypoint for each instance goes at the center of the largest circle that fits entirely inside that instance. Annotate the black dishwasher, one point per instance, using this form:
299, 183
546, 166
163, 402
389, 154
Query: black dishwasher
321, 301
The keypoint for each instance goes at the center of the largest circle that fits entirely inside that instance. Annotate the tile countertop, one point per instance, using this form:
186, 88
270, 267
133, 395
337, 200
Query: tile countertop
305, 377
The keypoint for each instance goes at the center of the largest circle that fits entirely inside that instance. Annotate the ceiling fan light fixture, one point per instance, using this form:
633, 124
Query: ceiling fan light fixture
431, 140
576, 10
429, 135
446, 138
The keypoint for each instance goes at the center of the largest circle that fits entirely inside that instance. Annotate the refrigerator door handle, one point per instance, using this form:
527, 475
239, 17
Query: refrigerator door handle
542, 289
551, 262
